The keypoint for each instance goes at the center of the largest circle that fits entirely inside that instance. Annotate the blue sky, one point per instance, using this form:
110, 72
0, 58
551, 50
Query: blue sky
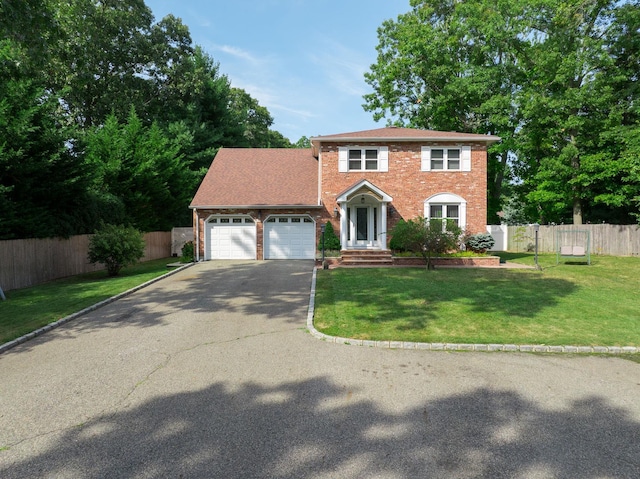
302, 59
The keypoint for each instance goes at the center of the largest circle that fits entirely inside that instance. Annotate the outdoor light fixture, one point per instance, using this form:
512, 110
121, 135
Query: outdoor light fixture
335, 212
362, 199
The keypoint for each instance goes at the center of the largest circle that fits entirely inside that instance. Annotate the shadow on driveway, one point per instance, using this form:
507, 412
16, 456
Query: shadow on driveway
315, 428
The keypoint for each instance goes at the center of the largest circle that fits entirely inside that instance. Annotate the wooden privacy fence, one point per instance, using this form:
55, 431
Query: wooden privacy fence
614, 240
28, 262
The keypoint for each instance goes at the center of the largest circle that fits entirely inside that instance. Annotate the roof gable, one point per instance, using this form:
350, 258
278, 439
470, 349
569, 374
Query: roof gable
259, 177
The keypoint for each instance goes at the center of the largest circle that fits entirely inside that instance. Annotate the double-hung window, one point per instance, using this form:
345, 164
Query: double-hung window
355, 158
363, 159
446, 159
446, 209
445, 215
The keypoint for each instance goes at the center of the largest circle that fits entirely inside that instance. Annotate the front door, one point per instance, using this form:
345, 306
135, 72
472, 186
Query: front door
363, 226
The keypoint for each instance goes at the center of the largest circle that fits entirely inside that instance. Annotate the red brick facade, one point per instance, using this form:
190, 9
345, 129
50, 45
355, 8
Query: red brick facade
407, 184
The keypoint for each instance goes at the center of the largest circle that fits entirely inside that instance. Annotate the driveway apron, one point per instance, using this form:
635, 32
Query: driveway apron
210, 373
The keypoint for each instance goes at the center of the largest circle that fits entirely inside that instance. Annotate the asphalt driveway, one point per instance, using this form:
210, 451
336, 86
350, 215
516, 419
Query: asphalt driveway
211, 373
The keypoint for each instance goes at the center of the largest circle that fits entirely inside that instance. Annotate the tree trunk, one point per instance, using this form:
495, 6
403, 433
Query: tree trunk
577, 211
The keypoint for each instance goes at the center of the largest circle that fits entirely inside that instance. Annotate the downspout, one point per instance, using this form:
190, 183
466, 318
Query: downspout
197, 235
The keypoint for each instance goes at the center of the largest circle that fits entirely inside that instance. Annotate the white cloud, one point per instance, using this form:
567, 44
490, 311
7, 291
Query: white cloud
237, 53
344, 68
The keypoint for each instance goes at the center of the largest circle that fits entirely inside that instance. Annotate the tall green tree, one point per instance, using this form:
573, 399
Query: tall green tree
555, 79
453, 66
112, 55
140, 169
42, 179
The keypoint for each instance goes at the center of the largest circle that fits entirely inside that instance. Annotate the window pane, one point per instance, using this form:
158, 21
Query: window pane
355, 154
371, 154
283, 220
248, 220
362, 224
436, 211
371, 164
453, 154
437, 164
437, 154
375, 224
452, 211
355, 164
453, 165
295, 220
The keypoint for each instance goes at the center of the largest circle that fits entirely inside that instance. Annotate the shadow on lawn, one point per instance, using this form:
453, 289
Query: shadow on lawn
417, 296
275, 290
316, 428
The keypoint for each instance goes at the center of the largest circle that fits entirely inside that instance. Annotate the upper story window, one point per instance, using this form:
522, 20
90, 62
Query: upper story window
437, 158
363, 159
355, 158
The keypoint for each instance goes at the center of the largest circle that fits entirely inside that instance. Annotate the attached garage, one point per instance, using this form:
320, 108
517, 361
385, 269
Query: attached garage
289, 237
230, 237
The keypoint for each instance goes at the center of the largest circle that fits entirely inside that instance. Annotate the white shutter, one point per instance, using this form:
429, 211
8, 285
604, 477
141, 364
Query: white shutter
462, 212
383, 158
465, 158
425, 162
343, 159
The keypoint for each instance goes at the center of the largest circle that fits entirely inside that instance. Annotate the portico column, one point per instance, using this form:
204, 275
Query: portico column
383, 226
343, 225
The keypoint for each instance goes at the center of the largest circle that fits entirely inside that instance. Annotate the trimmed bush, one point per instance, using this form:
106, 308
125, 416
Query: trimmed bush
479, 243
331, 240
188, 252
116, 247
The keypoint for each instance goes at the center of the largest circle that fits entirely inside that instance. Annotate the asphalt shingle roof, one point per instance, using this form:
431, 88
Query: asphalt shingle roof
260, 176
406, 134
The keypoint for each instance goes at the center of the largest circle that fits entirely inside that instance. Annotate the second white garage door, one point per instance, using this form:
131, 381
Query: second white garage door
289, 237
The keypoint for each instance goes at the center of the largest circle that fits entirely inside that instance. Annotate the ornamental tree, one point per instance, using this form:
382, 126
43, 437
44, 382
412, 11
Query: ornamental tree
426, 238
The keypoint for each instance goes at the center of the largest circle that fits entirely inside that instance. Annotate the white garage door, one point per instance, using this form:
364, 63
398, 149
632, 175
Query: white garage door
232, 237
289, 237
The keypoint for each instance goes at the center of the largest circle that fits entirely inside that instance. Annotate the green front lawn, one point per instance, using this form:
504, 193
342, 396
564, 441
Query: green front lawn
567, 304
28, 309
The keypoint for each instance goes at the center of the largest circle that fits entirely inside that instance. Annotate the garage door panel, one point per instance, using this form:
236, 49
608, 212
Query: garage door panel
232, 238
289, 238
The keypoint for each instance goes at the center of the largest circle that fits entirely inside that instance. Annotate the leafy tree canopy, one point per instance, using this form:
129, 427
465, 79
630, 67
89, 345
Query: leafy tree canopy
557, 80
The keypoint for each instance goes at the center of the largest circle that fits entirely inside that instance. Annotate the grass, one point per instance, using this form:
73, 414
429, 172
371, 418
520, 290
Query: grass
565, 304
28, 309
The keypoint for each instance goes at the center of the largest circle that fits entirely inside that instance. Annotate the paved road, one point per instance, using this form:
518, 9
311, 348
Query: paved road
211, 374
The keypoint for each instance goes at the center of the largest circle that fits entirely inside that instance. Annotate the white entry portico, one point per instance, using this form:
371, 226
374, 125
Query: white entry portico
363, 217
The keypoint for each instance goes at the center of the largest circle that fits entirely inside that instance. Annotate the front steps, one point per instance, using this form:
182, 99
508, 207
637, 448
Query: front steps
353, 257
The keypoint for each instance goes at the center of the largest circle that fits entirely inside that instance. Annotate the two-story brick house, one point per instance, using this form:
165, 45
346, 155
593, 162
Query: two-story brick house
271, 203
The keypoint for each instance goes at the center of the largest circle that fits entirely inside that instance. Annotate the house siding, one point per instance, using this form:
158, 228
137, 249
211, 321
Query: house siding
407, 184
